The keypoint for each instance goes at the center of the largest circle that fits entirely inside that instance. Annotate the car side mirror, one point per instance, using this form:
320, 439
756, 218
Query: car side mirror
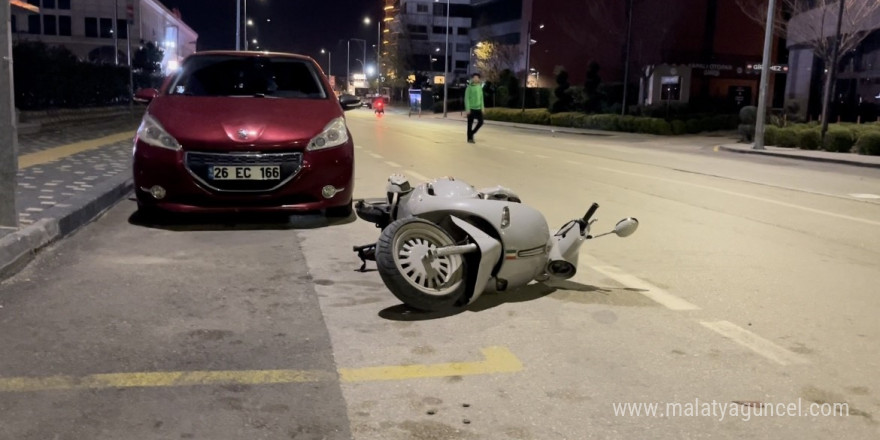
349, 102
145, 96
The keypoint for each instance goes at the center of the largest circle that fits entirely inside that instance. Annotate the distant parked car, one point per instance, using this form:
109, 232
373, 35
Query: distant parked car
245, 131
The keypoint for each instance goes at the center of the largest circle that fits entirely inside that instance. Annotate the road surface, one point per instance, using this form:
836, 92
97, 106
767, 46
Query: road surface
750, 288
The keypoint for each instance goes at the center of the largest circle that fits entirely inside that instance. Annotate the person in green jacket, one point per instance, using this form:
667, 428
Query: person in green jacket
473, 104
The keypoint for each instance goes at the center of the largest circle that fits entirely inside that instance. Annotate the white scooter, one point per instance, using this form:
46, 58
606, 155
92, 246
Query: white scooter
444, 243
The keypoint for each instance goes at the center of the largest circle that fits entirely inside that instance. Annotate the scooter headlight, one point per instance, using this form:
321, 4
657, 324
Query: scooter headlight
334, 135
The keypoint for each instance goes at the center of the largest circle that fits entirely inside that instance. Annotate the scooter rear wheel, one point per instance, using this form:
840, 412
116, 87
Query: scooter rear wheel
420, 282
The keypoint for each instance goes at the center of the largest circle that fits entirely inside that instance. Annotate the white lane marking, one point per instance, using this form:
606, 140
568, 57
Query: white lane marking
865, 196
417, 175
517, 151
357, 147
574, 162
749, 196
541, 156
376, 156
754, 342
393, 164
647, 289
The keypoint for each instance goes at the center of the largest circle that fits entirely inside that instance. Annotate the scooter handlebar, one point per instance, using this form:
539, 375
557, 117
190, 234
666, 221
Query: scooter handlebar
590, 213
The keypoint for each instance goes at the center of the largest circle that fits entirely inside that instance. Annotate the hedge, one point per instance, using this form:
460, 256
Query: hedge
607, 122
809, 139
839, 140
869, 143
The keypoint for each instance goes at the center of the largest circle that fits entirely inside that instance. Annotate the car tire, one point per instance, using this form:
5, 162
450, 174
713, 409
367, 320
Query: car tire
398, 259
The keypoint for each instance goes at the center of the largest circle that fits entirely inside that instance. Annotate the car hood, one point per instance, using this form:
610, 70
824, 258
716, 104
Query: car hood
225, 123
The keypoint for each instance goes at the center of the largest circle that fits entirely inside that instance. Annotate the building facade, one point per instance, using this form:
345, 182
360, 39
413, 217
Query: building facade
857, 91
98, 30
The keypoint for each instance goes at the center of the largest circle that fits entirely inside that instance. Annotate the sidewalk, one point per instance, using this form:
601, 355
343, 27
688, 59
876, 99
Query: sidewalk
811, 155
67, 176
788, 153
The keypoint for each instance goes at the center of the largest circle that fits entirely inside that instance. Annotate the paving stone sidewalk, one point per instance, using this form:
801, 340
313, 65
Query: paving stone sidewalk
54, 184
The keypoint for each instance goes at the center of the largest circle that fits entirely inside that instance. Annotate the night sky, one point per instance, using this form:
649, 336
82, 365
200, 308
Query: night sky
298, 26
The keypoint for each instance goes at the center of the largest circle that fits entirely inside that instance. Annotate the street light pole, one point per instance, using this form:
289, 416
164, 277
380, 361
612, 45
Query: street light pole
526, 71
237, 25
348, 66
245, 26
8, 134
765, 78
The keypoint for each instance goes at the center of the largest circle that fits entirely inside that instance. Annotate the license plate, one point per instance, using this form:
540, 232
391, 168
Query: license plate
259, 172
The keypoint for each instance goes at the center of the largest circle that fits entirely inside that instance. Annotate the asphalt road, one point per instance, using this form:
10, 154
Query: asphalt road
752, 283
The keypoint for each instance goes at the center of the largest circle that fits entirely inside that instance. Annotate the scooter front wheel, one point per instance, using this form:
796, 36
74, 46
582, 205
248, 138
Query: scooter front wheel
413, 276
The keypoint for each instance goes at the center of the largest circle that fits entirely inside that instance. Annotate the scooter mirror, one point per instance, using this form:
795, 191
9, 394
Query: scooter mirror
626, 227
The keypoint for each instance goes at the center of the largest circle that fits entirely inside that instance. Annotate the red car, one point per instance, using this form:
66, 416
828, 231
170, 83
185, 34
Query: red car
245, 131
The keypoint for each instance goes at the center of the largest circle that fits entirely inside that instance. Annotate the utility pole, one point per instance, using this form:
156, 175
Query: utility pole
129, 20
832, 73
116, 32
8, 132
629, 26
348, 66
526, 73
446, 65
765, 78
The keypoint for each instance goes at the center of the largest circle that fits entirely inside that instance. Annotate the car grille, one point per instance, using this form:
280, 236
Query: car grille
199, 165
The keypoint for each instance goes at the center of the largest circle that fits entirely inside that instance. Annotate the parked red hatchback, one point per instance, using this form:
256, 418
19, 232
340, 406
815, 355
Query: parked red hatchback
245, 131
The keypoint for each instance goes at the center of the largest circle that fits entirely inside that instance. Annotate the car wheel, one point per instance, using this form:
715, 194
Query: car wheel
430, 285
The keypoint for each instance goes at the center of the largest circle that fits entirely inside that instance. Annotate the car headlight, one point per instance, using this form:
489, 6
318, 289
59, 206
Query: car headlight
152, 133
334, 134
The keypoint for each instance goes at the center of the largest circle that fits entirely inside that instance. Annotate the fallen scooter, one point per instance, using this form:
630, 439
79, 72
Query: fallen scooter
444, 243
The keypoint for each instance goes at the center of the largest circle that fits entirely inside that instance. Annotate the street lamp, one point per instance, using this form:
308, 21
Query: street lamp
446, 62
529, 43
329, 62
348, 60
378, 45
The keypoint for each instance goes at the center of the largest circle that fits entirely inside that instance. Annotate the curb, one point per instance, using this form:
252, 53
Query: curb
19, 248
801, 157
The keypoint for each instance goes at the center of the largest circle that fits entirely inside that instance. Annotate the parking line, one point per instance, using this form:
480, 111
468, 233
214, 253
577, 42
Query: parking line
754, 342
574, 162
496, 360
376, 156
647, 289
57, 153
392, 164
541, 156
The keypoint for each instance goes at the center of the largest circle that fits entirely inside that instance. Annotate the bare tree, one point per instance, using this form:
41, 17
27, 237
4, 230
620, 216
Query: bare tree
813, 24
492, 58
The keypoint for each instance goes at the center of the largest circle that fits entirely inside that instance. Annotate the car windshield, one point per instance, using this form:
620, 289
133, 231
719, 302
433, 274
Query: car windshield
275, 77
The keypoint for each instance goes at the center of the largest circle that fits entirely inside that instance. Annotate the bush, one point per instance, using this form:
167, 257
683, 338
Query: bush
678, 127
809, 139
771, 134
52, 77
839, 140
869, 143
787, 137
748, 115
